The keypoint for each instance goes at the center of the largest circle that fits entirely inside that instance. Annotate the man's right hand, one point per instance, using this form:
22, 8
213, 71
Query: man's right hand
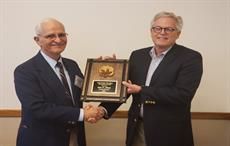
93, 114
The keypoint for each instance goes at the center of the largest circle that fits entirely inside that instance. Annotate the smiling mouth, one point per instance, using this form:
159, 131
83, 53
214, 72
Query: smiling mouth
162, 38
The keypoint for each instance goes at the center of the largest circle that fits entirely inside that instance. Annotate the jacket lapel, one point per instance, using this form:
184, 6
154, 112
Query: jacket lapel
164, 63
146, 60
139, 64
49, 76
71, 75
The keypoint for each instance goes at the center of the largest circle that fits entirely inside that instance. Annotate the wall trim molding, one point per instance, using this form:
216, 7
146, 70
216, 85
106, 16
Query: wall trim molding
123, 114
195, 115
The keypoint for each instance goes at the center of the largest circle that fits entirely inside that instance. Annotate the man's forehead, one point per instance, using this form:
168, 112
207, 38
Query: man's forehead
52, 26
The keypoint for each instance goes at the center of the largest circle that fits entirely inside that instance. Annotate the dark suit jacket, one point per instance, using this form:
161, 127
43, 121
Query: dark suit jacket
167, 100
47, 113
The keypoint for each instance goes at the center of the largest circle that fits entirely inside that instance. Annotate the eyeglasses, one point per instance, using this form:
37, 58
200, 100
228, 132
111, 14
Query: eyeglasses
54, 36
159, 29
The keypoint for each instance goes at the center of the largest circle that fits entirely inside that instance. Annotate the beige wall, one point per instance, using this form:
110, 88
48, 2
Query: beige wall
103, 27
112, 132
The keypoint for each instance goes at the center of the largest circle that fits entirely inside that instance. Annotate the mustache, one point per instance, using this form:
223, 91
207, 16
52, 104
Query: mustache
58, 44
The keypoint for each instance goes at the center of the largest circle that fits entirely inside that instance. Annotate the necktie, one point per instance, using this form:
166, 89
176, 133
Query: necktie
64, 80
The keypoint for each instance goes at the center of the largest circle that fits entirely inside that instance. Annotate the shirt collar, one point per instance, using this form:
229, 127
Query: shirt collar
50, 60
152, 52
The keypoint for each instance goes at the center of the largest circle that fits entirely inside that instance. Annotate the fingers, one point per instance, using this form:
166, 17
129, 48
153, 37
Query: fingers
131, 88
91, 120
88, 106
127, 84
100, 58
101, 113
93, 114
89, 113
113, 57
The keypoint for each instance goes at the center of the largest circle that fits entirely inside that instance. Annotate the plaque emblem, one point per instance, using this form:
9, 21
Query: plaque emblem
106, 71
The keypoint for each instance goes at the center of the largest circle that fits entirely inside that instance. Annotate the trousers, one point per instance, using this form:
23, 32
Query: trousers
73, 138
139, 138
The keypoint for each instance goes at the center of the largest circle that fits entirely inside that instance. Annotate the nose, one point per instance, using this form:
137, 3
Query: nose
57, 39
163, 31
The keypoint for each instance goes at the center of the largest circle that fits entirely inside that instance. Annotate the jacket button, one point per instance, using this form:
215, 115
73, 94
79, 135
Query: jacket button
135, 120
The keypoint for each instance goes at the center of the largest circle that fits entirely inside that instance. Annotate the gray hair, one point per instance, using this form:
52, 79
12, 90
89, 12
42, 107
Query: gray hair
178, 19
39, 27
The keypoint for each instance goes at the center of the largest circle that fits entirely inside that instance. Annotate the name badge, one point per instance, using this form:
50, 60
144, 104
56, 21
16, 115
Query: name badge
78, 81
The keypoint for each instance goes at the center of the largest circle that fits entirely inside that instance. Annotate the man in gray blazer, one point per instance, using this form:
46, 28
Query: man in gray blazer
52, 112
163, 80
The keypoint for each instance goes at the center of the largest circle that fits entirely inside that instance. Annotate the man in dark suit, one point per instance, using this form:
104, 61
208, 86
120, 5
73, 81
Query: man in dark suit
163, 80
52, 112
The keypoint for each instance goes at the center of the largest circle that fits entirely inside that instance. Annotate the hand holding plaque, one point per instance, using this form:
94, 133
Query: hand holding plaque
103, 80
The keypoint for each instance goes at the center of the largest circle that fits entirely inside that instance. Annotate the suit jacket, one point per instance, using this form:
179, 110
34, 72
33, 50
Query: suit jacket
48, 114
167, 100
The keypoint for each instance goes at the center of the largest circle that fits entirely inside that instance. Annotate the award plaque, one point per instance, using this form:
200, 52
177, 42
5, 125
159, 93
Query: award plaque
103, 80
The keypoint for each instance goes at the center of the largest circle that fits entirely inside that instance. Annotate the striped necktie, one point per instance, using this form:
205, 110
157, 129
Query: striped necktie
64, 80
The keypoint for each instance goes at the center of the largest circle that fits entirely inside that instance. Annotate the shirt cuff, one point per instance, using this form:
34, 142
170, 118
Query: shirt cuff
105, 112
81, 115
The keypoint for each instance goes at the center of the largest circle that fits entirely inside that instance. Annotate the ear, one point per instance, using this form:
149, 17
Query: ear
36, 38
178, 34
